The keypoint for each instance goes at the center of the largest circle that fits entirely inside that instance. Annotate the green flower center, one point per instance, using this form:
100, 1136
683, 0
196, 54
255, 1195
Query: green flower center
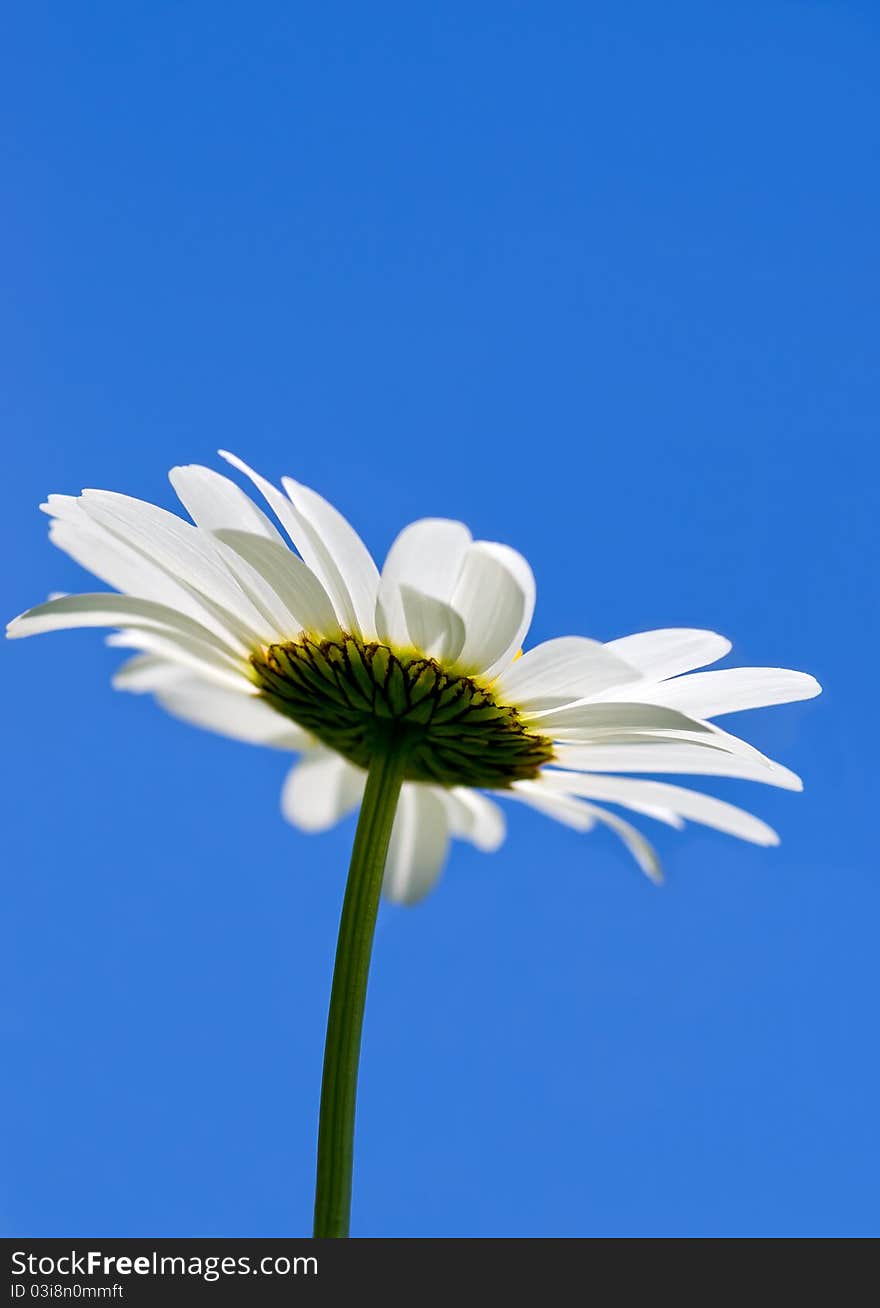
356, 698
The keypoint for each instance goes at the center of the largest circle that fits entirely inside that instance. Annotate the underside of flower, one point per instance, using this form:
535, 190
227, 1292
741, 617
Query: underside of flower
283, 632
357, 697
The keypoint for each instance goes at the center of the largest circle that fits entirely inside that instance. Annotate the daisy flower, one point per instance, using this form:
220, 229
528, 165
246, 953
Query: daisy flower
319, 653
404, 692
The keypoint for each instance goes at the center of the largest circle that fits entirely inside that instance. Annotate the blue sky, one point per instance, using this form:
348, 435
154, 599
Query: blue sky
601, 281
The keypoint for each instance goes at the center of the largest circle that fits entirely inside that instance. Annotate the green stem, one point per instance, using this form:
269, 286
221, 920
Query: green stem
351, 970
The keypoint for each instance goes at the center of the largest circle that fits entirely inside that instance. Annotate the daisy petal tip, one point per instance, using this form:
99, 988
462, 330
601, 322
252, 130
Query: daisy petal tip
725, 644
179, 470
17, 627
233, 459
783, 777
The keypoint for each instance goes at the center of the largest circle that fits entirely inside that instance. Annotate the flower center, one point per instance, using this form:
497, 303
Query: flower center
357, 697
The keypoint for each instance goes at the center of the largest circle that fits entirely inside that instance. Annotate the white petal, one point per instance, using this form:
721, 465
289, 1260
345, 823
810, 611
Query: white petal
434, 628
552, 803
684, 757
276, 499
617, 715
704, 734
337, 543
103, 554
645, 795
188, 654
496, 601
280, 623
145, 673
241, 717
107, 609
709, 694
665, 653
659, 815
641, 849
295, 585
118, 565
112, 562
66, 508
309, 543
320, 790
560, 671
473, 817
522, 574
144, 625
189, 555
214, 502
697, 733
428, 556
419, 845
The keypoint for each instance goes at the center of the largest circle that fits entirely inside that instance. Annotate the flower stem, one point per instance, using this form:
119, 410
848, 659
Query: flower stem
351, 970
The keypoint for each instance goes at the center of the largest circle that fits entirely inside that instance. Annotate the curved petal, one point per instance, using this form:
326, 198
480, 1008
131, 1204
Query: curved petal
426, 555
338, 544
568, 810
241, 717
419, 845
277, 501
664, 815
107, 609
429, 554
434, 628
122, 567
645, 795
307, 541
706, 740
704, 734
473, 817
613, 715
730, 690
665, 653
215, 502
496, 606
640, 848
280, 624
188, 655
519, 569
320, 790
146, 625
296, 586
143, 674
187, 553
684, 757
561, 671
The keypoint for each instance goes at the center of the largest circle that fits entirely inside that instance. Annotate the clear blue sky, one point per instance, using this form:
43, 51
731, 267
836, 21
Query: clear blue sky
600, 280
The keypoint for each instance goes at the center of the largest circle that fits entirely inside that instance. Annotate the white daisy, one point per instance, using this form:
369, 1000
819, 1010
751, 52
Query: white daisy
405, 694
318, 652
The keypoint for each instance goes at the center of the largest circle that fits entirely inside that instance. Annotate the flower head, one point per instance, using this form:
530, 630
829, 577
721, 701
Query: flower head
302, 644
